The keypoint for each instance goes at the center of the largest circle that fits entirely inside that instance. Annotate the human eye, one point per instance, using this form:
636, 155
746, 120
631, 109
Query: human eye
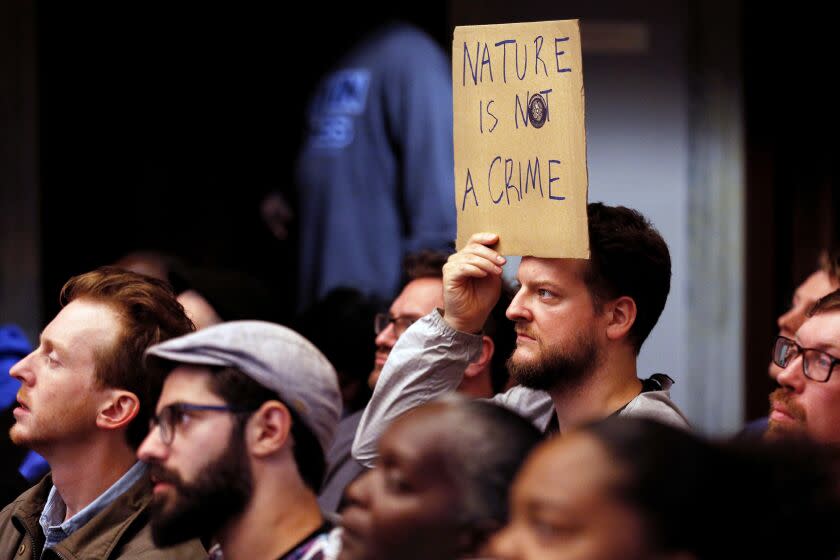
817, 364
548, 529
823, 361
545, 293
177, 416
52, 359
395, 482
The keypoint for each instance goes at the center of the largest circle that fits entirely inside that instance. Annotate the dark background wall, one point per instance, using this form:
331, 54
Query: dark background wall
164, 128
141, 126
793, 197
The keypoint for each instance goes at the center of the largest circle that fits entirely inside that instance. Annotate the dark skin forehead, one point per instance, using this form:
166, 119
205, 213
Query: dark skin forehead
566, 472
419, 442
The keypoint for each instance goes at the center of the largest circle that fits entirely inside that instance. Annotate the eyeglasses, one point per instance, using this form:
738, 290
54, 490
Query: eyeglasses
816, 364
382, 320
176, 414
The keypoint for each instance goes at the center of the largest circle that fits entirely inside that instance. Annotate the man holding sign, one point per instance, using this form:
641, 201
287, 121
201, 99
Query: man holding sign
597, 277
580, 325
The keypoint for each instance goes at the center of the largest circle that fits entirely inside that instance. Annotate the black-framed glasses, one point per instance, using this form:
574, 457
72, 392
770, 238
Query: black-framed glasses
175, 414
816, 364
382, 320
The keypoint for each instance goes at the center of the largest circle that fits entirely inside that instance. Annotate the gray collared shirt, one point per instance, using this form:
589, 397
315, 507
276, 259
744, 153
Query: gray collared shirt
52, 518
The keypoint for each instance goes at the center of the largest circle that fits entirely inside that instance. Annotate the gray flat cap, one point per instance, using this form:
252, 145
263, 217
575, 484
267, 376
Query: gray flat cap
272, 355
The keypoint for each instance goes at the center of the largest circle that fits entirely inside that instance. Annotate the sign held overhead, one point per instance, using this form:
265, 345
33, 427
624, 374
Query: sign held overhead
520, 141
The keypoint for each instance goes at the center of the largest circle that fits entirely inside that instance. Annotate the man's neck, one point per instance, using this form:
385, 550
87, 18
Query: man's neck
610, 386
477, 387
82, 473
274, 521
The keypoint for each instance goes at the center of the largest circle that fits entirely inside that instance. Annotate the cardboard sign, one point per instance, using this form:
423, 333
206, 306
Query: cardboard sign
520, 141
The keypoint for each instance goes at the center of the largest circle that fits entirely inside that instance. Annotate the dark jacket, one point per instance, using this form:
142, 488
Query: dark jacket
121, 530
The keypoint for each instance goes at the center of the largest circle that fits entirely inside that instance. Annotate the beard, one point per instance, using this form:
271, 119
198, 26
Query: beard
556, 369
199, 509
786, 430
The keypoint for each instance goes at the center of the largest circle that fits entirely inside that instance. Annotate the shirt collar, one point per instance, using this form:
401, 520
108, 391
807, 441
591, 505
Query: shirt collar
52, 518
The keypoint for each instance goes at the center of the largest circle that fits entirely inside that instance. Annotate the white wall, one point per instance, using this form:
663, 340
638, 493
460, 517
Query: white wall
637, 135
672, 154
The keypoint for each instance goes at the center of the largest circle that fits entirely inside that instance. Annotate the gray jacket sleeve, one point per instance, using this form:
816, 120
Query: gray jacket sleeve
427, 362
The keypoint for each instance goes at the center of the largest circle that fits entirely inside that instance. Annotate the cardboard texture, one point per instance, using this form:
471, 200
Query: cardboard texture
520, 141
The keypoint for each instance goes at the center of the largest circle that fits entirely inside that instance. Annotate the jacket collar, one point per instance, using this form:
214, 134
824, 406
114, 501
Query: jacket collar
98, 537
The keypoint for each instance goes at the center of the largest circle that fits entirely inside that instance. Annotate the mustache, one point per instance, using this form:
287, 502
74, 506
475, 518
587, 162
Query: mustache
785, 398
161, 474
525, 331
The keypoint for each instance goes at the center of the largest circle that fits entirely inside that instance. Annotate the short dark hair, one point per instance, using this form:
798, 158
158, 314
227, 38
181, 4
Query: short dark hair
677, 482
487, 446
149, 314
241, 391
628, 257
424, 264
339, 325
665, 475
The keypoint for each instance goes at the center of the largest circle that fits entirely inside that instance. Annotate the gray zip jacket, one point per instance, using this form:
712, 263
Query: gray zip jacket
429, 360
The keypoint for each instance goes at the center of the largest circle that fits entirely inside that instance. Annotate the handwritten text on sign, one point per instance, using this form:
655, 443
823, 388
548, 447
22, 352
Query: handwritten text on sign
520, 142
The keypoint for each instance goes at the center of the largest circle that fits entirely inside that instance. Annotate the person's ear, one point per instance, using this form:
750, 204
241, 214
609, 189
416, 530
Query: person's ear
621, 315
268, 429
118, 410
483, 361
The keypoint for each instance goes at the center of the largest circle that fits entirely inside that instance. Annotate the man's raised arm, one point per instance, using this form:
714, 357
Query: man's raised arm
429, 359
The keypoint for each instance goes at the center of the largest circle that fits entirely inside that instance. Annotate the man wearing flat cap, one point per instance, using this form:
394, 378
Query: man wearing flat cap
236, 451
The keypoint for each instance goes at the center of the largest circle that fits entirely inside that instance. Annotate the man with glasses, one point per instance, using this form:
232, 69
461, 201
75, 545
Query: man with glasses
236, 447
807, 404
422, 293
818, 284
84, 403
821, 282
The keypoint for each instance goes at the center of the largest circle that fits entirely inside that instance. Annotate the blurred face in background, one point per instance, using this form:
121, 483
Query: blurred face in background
407, 506
806, 295
565, 506
419, 297
803, 406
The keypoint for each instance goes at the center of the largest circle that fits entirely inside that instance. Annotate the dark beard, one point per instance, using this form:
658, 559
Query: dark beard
219, 493
557, 370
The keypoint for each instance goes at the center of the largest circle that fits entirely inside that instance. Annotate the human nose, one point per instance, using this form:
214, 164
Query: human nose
358, 493
22, 371
387, 337
518, 310
792, 377
153, 450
